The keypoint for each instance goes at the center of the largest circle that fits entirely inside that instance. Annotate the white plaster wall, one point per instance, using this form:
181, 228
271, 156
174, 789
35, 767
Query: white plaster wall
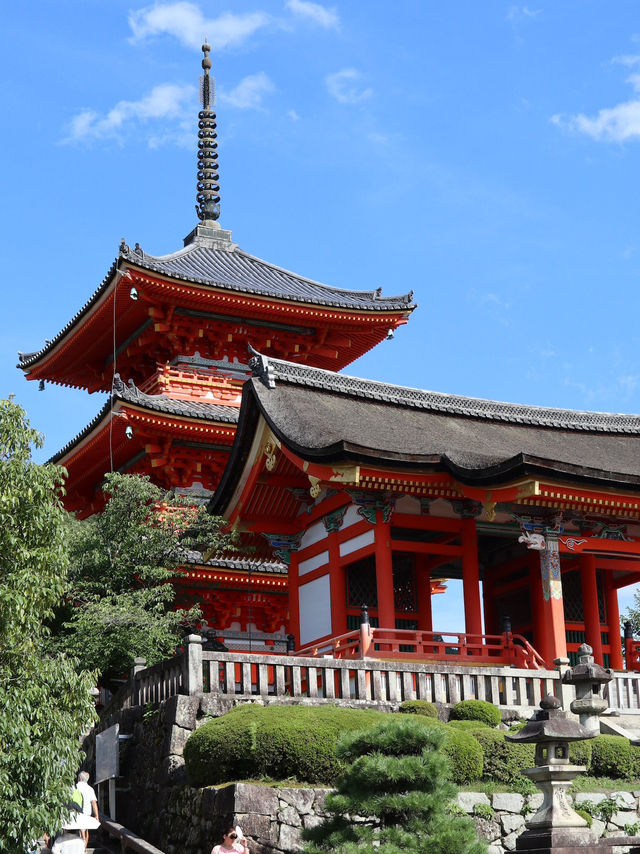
313, 534
315, 609
356, 543
313, 562
351, 516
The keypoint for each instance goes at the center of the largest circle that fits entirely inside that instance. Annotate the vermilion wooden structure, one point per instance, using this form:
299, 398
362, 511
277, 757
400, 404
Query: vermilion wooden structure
374, 492
167, 337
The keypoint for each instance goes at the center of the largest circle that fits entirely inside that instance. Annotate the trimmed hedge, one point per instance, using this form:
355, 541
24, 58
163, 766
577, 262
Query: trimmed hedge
282, 742
465, 753
580, 753
476, 710
469, 726
503, 760
614, 756
272, 741
419, 707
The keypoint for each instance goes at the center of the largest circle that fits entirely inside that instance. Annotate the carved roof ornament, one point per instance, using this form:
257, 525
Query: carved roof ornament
208, 196
261, 368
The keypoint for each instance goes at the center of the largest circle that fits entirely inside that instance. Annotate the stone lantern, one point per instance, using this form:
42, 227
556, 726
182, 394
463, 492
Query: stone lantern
587, 677
555, 826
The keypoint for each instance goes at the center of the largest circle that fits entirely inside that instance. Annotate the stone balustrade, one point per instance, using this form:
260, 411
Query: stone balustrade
243, 675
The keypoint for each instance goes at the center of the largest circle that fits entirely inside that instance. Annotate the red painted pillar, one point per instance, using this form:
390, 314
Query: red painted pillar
590, 605
471, 578
613, 621
384, 574
423, 591
294, 599
553, 603
540, 635
337, 588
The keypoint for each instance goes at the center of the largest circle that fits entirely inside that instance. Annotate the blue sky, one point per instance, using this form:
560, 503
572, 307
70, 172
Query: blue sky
485, 155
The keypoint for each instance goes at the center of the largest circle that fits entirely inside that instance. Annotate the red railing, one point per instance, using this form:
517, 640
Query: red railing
403, 644
632, 654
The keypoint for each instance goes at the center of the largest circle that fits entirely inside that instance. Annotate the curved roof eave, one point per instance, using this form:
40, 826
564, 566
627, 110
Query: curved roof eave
154, 403
372, 302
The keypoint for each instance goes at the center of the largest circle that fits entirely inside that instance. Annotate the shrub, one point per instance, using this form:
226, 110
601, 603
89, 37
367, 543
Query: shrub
469, 726
476, 710
465, 754
613, 756
419, 707
580, 753
503, 760
484, 811
273, 741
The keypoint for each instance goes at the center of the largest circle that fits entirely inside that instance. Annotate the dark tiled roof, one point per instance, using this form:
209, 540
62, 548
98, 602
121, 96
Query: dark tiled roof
156, 403
236, 270
233, 269
332, 418
273, 567
454, 404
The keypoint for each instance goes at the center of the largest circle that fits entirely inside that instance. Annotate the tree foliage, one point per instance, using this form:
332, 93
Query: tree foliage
398, 781
44, 703
120, 600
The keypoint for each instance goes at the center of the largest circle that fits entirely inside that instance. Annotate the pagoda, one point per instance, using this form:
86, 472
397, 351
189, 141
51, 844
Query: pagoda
167, 337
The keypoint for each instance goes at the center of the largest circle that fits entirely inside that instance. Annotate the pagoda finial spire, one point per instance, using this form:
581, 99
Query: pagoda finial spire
208, 196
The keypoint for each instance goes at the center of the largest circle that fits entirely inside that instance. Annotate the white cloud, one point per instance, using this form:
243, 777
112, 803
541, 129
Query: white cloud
186, 22
247, 95
614, 124
166, 101
293, 116
343, 86
518, 13
611, 124
314, 12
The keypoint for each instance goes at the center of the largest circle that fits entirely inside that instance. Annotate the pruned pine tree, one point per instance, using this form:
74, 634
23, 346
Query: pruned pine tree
393, 796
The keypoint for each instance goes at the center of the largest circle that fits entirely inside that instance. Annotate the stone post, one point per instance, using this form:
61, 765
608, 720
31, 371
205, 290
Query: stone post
566, 692
588, 677
138, 665
192, 665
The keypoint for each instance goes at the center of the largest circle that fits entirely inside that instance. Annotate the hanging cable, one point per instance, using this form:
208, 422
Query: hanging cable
118, 275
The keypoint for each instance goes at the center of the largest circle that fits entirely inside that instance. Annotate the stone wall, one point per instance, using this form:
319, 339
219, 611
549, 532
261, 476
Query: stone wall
500, 819
272, 817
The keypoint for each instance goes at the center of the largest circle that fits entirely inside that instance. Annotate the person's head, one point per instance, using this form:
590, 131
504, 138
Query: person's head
229, 834
83, 777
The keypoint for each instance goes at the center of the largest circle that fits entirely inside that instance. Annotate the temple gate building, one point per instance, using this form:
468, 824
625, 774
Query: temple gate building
375, 493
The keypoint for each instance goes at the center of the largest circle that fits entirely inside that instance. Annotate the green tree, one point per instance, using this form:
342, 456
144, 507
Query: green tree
44, 703
120, 600
398, 781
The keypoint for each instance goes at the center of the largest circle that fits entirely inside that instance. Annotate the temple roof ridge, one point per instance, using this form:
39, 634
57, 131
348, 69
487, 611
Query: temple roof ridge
202, 253
451, 404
